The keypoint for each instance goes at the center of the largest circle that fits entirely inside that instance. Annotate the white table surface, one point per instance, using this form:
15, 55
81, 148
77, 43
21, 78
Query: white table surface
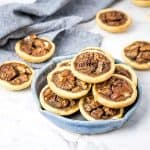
22, 127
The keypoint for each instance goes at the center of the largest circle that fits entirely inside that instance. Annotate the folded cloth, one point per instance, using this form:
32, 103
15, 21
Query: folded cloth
56, 19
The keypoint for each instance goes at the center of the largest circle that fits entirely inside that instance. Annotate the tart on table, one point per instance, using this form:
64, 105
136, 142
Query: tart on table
113, 20
116, 92
92, 65
126, 71
137, 55
93, 110
15, 75
66, 85
35, 49
142, 3
53, 103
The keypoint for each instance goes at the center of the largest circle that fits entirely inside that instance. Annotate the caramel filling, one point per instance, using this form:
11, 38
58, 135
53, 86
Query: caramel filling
32, 45
115, 88
52, 99
138, 51
67, 81
92, 63
15, 73
113, 18
122, 71
98, 111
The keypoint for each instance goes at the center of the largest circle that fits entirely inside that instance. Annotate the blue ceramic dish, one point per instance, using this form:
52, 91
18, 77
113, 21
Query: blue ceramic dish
76, 123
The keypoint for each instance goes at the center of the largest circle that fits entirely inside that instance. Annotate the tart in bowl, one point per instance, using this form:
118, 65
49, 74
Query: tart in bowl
92, 65
116, 92
126, 71
53, 103
64, 63
66, 85
93, 110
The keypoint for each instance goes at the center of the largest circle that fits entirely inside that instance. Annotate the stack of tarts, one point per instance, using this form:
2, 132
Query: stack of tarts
92, 83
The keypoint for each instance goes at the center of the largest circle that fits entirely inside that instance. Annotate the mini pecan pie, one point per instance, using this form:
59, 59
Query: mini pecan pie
126, 71
92, 65
116, 92
34, 49
15, 75
53, 103
113, 20
66, 85
64, 63
142, 3
93, 110
137, 55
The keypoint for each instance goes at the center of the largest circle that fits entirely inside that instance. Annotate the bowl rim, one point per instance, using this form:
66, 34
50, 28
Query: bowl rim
79, 122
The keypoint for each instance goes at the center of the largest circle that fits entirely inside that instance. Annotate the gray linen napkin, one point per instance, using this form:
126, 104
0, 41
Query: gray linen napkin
55, 19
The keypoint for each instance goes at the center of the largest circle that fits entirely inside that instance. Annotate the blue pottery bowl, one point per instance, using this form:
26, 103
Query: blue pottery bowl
76, 123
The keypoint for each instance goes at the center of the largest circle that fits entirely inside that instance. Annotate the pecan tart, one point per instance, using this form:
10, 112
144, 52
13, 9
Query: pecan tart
64, 63
34, 49
137, 55
113, 20
15, 75
66, 85
116, 92
53, 103
93, 110
92, 65
142, 3
126, 71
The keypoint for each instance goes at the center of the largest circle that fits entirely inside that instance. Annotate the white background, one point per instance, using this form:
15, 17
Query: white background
22, 127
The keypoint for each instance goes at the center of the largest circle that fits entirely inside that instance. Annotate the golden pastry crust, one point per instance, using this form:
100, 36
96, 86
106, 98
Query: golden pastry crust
142, 3
133, 63
21, 86
89, 117
60, 111
114, 29
98, 78
127, 68
64, 63
64, 93
117, 104
35, 59
136, 65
